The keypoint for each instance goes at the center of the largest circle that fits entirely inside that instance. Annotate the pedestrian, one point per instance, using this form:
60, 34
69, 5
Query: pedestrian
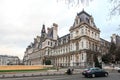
69, 71
57, 68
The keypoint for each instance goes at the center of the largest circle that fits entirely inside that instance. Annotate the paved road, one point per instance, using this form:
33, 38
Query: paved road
112, 76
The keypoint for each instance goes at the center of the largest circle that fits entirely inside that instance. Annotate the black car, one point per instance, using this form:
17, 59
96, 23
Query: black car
94, 72
119, 70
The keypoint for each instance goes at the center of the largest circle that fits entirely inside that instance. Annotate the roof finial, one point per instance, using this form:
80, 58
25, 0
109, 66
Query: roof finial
83, 10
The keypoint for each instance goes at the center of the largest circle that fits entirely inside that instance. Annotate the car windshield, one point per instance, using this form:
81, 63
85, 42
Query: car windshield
92, 69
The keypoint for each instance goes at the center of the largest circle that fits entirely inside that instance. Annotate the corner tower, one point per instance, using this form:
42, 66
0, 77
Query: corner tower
85, 37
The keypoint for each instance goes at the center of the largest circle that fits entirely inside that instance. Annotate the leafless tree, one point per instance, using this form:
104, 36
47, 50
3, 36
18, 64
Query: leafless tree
76, 2
115, 9
114, 5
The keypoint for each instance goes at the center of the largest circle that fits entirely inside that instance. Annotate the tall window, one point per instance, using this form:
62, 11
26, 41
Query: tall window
82, 56
48, 42
76, 21
77, 32
95, 47
87, 44
71, 35
80, 20
86, 31
89, 32
77, 45
51, 43
87, 20
82, 31
92, 34
82, 44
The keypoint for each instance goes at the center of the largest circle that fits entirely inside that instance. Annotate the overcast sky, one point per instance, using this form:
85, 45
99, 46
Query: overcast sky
21, 21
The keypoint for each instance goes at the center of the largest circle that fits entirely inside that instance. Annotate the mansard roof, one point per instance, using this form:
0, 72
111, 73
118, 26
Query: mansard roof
83, 18
64, 39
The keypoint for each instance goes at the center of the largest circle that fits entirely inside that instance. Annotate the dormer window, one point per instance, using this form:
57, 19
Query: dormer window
87, 20
80, 20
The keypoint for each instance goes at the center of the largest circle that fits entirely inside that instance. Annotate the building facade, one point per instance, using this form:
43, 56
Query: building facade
9, 60
74, 49
116, 39
104, 46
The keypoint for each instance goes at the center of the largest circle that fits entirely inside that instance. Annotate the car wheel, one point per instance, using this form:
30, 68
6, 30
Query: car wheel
119, 71
106, 74
85, 76
93, 75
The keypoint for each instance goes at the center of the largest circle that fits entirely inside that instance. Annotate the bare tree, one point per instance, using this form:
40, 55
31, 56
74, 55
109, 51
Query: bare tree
76, 2
115, 4
115, 9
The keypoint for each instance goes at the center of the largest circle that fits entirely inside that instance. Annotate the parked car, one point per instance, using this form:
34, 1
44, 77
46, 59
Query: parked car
94, 72
117, 69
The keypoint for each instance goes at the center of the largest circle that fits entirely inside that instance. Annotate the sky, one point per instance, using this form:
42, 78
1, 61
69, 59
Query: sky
21, 21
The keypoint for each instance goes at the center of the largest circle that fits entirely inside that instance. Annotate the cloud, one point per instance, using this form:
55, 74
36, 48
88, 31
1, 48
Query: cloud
21, 21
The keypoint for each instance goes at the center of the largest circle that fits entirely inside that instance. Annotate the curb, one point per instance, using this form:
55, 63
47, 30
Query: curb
32, 75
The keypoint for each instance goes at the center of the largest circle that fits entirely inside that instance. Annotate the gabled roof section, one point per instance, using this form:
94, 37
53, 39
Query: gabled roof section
83, 18
83, 12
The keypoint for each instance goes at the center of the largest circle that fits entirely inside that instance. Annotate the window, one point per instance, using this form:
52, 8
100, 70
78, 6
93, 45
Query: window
85, 31
95, 47
71, 35
82, 44
82, 56
51, 43
77, 31
77, 45
87, 20
76, 21
87, 44
92, 34
82, 31
80, 20
48, 42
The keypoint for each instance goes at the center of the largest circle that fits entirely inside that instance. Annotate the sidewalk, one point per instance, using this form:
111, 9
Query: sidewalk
34, 74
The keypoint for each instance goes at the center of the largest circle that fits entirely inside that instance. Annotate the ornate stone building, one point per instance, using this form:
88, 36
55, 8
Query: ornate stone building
116, 39
104, 46
9, 60
74, 49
